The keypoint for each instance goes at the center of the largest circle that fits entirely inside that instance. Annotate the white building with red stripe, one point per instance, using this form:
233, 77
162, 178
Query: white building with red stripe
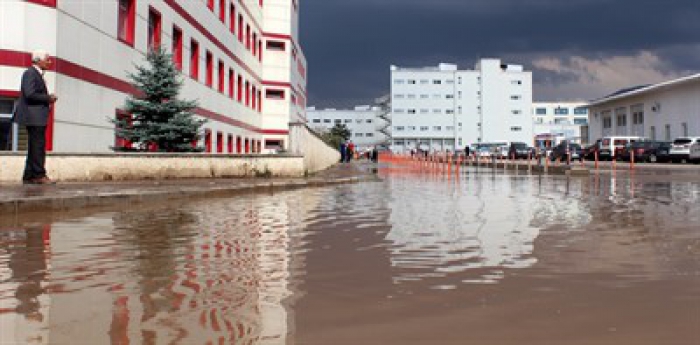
240, 59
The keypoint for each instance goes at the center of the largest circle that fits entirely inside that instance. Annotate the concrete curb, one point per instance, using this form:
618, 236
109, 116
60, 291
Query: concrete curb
65, 203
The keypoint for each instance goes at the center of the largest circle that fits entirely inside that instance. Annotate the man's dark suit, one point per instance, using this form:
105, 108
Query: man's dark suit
33, 112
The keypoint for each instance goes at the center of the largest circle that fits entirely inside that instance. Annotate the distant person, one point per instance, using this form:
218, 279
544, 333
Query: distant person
350, 151
343, 152
466, 151
32, 111
375, 155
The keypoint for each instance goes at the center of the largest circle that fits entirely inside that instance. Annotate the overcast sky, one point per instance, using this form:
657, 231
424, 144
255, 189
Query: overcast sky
577, 49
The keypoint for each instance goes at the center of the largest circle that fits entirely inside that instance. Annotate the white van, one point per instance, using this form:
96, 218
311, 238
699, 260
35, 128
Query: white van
682, 148
611, 147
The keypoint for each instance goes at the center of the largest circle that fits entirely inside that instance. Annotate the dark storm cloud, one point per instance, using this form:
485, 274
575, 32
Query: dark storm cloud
350, 44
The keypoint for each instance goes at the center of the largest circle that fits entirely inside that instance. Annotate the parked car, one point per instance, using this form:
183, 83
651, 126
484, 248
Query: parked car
695, 152
566, 149
681, 147
611, 147
646, 151
589, 152
520, 151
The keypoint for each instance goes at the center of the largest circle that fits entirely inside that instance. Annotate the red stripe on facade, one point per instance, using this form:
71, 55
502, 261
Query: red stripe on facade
197, 25
47, 3
73, 70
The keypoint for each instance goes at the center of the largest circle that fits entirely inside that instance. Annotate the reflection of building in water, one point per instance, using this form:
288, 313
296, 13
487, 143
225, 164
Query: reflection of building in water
486, 223
480, 228
24, 260
214, 273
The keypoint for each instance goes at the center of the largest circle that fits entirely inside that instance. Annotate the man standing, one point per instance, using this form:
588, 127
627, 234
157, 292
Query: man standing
32, 111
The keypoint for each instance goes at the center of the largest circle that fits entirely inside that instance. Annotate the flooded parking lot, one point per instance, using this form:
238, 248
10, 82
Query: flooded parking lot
484, 257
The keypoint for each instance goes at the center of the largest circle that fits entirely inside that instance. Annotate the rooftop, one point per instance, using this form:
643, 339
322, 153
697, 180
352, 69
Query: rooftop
644, 89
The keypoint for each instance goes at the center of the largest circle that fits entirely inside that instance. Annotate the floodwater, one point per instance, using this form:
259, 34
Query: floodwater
483, 258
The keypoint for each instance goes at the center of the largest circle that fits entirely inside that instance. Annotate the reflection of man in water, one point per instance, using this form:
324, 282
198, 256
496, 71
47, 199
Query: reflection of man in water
27, 261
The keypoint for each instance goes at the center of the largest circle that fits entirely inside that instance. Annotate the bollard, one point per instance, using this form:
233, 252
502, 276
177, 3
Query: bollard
595, 155
632, 160
546, 164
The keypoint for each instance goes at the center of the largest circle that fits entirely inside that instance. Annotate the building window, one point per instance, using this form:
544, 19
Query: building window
449, 96
638, 118
424, 81
516, 129
684, 129
154, 22
411, 111
247, 37
222, 11
399, 96
247, 93
607, 122
209, 79
424, 96
399, 128
207, 140
653, 132
437, 128
423, 128
580, 121
450, 128
221, 76
316, 120
121, 142
541, 111
437, 111
411, 81
424, 111
411, 96
359, 134
219, 142
275, 45
580, 111
126, 20
561, 111
369, 121
240, 28
210, 4
398, 81
337, 121
177, 47
449, 111
449, 81
517, 112
437, 81
274, 94
194, 60
326, 120
516, 82
232, 18
621, 120
369, 135
348, 121
231, 81
515, 97
668, 133
239, 87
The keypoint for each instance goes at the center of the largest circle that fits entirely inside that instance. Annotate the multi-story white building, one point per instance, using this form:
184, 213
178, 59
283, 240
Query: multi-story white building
559, 121
240, 59
363, 122
443, 108
661, 111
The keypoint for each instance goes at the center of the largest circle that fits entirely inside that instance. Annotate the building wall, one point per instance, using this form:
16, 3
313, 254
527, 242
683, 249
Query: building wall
666, 113
445, 108
362, 121
92, 65
560, 120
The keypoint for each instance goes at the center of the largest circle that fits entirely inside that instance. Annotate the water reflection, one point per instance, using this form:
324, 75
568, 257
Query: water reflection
324, 264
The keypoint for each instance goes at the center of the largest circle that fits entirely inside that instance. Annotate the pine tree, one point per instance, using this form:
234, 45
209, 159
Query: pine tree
159, 121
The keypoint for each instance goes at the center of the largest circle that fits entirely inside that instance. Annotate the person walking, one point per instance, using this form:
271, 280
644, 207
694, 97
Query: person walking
343, 152
32, 111
350, 151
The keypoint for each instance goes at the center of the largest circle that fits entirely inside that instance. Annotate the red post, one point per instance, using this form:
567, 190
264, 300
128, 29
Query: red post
595, 155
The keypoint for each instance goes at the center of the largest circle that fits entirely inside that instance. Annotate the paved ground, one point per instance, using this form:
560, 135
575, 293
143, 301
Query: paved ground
19, 198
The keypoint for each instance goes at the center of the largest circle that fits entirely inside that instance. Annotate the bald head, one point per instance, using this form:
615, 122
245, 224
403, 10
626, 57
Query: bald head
41, 59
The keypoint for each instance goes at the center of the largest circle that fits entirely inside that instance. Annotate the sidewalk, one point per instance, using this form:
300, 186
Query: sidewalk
17, 198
